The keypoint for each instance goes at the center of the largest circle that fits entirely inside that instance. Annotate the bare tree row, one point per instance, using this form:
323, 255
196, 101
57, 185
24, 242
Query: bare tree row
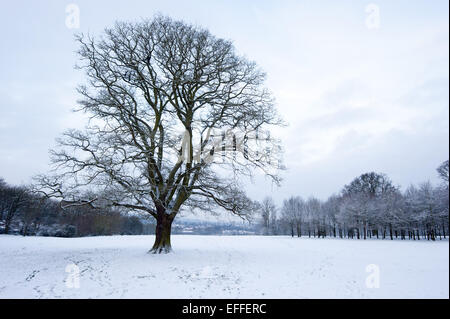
26, 213
369, 207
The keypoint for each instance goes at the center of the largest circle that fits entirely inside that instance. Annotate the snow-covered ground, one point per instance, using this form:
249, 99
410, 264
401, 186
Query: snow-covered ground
222, 267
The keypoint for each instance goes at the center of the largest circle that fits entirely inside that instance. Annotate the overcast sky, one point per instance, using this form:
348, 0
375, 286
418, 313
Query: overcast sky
359, 93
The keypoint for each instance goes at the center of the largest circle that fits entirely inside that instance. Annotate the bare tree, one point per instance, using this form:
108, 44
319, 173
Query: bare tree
155, 90
443, 171
443, 195
268, 209
359, 197
274, 224
313, 208
370, 184
13, 199
32, 213
330, 211
3, 188
299, 206
293, 211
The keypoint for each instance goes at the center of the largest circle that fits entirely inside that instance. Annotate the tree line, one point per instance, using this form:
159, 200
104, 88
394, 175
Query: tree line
369, 207
25, 212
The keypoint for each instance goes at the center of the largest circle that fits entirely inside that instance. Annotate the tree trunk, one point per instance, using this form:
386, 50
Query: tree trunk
162, 234
8, 221
25, 230
6, 231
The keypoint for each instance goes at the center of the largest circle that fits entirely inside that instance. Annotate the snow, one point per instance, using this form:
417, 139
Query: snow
221, 267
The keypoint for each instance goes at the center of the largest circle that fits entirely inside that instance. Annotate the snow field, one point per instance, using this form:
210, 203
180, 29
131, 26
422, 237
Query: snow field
222, 267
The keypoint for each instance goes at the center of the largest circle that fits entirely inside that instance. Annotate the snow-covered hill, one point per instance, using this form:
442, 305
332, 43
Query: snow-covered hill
222, 267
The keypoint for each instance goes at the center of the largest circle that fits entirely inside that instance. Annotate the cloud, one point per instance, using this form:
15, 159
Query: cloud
355, 99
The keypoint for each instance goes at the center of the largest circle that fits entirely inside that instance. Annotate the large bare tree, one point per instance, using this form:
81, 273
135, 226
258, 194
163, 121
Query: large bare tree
176, 119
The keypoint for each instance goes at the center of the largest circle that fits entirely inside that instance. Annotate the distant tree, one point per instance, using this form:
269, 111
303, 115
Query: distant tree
428, 206
274, 226
268, 209
3, 187
32, 213
293, 212
443, 195
360, 197
330, 210
370, 184
388, 212
443, 206
288, 211
311, 215
132, 225
443, 171
299, 206
13, 199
